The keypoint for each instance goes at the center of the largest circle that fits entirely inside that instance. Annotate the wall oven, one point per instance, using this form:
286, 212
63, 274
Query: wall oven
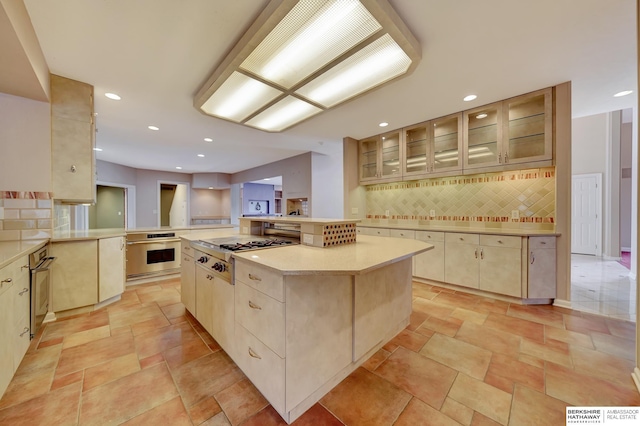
152, 253
39, 265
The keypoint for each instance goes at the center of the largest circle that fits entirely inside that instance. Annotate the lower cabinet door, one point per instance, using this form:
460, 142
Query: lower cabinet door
542, 274
111, 267
461, 264
222, 307
501, 270
188, 283
204, 301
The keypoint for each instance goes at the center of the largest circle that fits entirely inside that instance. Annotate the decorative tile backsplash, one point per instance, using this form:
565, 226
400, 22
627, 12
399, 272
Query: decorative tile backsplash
25, 215
487, 199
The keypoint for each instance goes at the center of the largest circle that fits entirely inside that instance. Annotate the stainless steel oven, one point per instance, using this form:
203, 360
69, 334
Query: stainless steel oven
39, 265
152, 253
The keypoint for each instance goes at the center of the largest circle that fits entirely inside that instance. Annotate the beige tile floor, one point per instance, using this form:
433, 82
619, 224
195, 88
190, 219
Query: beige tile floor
463, 360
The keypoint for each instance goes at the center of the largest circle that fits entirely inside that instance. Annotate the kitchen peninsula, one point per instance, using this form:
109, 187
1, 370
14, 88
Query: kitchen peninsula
299, 318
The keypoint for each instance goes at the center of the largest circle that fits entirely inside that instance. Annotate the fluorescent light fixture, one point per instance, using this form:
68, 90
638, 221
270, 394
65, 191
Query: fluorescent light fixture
302, 57
208, 140
153, 128
113, 96
469, 98
623, 93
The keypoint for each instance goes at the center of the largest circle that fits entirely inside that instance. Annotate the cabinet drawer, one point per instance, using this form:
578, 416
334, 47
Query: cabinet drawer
263, 367
454, 237
262, 316
501, 241
185, 248
542, 242
268, 282
402, 233
429, 236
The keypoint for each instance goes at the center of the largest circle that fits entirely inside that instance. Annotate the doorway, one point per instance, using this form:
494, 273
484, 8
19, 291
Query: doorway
173, 204
586, 211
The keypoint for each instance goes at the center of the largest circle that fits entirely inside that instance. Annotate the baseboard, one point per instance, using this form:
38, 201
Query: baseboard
561, 303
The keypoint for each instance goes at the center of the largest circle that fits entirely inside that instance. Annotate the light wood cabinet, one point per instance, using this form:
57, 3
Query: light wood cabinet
430, 264
111, 261
215, 307
188, 280
15, 333
204, 301
433, 148
72, 140
542, 268
461, 260
74, 274
377, 232
516, 131
380, 158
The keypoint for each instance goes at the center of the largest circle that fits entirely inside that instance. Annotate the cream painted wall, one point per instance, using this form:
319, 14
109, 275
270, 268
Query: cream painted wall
25, 138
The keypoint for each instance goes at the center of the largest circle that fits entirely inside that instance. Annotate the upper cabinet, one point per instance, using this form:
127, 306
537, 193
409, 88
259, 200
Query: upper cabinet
516, 131
380, 158
506, 135
72, 141
433, 148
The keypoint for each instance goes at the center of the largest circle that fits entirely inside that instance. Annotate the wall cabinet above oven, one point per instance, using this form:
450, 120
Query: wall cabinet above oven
72, 141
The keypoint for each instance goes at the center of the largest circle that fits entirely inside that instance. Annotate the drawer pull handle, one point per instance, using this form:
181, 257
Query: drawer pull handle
481, 253
254, 277
499, 241
429, 236
461, 239
26, 330
253, 354
543, 242
476, 253
254, 306
24, 267
209, 277
533, 258
24, 290
8, 280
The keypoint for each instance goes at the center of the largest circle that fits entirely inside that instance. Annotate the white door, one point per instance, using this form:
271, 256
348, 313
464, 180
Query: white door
585, 213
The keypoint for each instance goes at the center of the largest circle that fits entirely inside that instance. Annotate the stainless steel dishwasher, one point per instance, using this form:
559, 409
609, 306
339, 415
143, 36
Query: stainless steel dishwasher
152, 253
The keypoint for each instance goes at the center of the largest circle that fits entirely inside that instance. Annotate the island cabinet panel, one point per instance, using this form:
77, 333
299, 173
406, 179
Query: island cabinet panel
6, 326
188, 281
382, 301
319, 335
430, 264
74, 274
21, 310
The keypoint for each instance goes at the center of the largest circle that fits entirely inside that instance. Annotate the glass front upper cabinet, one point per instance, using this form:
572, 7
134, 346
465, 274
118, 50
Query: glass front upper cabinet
446, 145
380, 158
528, 127
416, 150
483, 135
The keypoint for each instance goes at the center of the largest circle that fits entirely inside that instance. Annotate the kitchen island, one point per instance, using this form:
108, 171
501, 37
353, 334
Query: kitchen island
299, 318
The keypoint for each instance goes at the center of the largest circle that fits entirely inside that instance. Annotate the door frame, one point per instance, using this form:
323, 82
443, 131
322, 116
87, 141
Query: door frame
599, 220
129, 198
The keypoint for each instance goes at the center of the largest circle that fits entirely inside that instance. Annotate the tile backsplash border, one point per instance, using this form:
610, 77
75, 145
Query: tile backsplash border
25, 215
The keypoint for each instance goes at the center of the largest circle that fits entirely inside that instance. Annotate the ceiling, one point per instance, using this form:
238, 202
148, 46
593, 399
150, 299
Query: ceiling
157, 53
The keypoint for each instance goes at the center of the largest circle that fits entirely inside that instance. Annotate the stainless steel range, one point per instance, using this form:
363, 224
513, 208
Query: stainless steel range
215, 254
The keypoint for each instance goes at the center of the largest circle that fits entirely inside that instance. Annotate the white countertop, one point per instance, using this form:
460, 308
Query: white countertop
13, 250
366, 254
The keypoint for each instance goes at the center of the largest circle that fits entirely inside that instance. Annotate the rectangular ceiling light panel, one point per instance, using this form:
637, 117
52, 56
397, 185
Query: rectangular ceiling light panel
239, 97
312, 34
377, 63
283, 114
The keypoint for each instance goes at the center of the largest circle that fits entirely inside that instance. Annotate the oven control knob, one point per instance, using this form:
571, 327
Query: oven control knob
219, 267
203, 259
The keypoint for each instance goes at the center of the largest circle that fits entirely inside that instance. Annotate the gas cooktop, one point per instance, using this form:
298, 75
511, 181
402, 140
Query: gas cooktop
228, 245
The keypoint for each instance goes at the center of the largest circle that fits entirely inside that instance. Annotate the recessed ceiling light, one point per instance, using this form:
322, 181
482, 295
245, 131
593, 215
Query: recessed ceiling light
113, 96
383, 124
200, 155
624, 93
208, 140
154, 128
211, 187
267, 179
469, 98
178, 167
483, 115
97, 149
